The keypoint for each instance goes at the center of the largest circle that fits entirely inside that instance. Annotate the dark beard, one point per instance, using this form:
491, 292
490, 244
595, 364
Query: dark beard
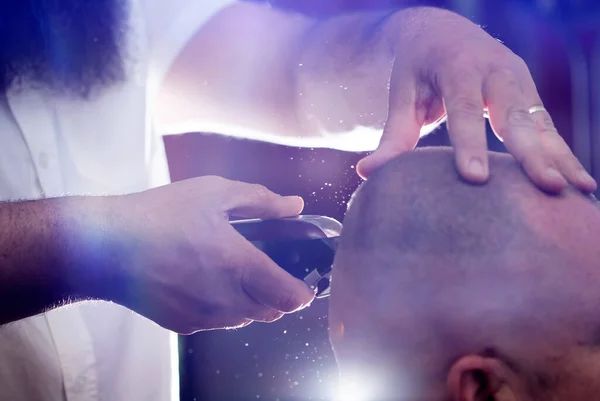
66, 46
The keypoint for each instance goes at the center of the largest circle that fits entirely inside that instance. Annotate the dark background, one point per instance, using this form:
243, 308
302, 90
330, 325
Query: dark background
291, 359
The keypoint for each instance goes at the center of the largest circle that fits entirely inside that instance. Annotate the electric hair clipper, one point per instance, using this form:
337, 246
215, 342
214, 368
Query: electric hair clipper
304, 246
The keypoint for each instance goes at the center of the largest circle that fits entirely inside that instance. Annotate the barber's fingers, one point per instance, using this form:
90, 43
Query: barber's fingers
512, 123
264, 281
466, 124
402, 128
564, 158
256, 201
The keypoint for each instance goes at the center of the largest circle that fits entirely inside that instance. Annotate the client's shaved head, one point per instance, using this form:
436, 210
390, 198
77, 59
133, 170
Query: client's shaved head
444, 290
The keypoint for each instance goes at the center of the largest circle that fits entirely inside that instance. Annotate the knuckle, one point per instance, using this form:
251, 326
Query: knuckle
211, 221
288, 302
214, 180
459, 59
518, 116
454, 79
500, 55
458, 74
547, 125
214, 188
467, 107
458, 68
505, 76
260, 194
503, 71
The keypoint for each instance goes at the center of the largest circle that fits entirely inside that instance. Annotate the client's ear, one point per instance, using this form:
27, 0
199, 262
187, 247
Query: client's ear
477, 378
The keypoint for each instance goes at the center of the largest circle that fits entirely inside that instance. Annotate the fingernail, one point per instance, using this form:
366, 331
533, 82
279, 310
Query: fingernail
553, 174
588, 181
296, 199
585, 176
476, 167
360, 169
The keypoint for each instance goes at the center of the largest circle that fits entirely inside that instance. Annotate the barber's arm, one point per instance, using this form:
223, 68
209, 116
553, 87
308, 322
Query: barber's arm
36, 240
168, 253
259, 73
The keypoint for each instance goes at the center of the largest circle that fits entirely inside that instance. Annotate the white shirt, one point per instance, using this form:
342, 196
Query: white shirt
55, 146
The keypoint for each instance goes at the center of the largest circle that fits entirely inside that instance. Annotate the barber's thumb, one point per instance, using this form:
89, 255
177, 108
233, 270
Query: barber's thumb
400, 135
257, 202
270, 285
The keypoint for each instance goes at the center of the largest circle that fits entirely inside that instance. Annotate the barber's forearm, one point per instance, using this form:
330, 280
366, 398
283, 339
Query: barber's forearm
343, 71
280, 77
47, 254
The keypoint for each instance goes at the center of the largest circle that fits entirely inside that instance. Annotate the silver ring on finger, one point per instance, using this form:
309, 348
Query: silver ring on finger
536, 108
531, 110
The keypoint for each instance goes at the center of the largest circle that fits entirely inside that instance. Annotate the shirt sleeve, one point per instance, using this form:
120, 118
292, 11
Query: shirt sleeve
170, 24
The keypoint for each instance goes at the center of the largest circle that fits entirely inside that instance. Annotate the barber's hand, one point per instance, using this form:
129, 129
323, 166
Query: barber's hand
446, 65
188, 269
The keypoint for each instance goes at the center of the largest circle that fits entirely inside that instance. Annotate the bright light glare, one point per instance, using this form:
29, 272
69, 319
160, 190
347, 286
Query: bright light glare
360, 139
353, 389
